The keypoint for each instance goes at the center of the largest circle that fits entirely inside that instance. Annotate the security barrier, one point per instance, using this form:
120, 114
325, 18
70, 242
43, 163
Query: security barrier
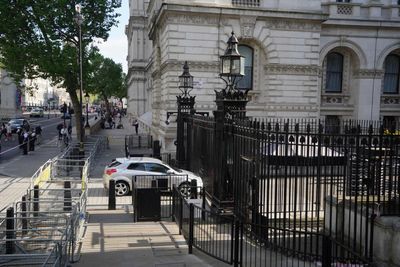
45, 227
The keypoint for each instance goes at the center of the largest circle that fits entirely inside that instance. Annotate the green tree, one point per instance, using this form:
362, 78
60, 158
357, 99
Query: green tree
39, 38
106, 79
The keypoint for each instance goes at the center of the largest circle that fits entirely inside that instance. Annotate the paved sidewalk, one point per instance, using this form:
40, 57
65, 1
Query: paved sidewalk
15, 174
113, 239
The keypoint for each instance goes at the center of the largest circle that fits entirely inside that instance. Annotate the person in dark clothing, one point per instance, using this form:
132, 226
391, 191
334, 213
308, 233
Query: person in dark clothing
25, 141
70, 130
20, 134
38, 131
59, 127
136, 124
32, 139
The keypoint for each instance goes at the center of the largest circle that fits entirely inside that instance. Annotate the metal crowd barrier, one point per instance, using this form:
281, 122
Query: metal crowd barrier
45, 227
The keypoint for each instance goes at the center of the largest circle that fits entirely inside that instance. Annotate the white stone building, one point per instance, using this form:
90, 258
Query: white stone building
331, 59
10, 98
41, 91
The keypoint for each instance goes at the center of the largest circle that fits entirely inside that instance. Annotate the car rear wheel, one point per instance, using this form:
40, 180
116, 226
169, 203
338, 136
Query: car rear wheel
185, 189
121, 188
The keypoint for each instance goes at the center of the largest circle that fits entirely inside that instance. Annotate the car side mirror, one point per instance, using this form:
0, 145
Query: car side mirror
170, 172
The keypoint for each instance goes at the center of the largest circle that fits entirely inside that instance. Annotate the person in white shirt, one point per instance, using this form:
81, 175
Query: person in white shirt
9, 132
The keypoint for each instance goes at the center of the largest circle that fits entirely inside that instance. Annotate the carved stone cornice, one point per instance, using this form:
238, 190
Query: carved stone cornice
335, 99
292, 69
369, 74
390, 99
194, 65
292, 25
192, 19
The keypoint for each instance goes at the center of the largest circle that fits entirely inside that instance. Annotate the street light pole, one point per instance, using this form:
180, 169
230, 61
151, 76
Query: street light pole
79, 21
87, 110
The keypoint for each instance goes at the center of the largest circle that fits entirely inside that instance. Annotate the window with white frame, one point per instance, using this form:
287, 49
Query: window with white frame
246, 83
334, 73
391, 78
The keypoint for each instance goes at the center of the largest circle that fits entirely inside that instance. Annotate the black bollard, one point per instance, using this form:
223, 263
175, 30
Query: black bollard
67, 196
10, 231
193, 189
23, 216
111, 195
154, 184
156, 149
326, 251
35, 200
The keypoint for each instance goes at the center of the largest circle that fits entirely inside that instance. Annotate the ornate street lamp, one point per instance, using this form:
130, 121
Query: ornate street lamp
185, 81
185, 86
232, 64
230, 101
87, 98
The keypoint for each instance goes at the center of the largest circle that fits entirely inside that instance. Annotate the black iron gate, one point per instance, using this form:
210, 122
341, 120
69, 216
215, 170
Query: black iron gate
298, 188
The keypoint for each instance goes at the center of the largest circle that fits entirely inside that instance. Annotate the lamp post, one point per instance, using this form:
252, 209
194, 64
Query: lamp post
232, 64
79, 21
185, 106
87, 98
231, 104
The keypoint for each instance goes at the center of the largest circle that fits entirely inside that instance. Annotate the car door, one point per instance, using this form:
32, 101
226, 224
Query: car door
159, 169
136, 171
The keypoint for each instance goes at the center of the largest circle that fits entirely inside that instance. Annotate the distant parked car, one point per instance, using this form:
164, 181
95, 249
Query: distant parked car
122, 170
18, 123
37, 112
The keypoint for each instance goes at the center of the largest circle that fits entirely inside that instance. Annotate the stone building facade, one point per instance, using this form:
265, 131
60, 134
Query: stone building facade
10, 97
330, 59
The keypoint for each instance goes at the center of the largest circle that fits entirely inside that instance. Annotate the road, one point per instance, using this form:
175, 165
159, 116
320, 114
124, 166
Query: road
10, 148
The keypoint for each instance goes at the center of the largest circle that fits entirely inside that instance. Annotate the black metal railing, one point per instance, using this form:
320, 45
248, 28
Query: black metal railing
135, 142
301, 181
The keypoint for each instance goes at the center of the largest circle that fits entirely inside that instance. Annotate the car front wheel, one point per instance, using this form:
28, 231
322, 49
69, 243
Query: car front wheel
121, 188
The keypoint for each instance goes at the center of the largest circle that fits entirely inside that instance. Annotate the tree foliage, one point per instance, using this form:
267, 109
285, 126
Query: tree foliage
106, 78
39, 38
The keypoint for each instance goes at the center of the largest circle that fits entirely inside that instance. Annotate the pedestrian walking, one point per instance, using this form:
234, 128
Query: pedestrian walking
136, 124
32, 140
65, 137
9, 131
3, 131
70, 131
59, 127
38, 131
20, 135
25, 142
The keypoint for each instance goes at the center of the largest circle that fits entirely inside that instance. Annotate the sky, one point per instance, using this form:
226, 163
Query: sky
116, 46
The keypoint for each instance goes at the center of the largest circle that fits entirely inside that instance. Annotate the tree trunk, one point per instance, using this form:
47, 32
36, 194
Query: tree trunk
78, 114
107, 105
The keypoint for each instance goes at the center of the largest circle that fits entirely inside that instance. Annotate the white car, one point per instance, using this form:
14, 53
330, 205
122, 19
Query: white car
123, 170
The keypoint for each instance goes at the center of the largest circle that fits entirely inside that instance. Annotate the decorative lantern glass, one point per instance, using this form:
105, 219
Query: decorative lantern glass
185, 80
232, 63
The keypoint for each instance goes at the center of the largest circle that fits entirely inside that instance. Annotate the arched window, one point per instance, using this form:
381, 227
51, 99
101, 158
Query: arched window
246, 83
334, 73
391, 78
